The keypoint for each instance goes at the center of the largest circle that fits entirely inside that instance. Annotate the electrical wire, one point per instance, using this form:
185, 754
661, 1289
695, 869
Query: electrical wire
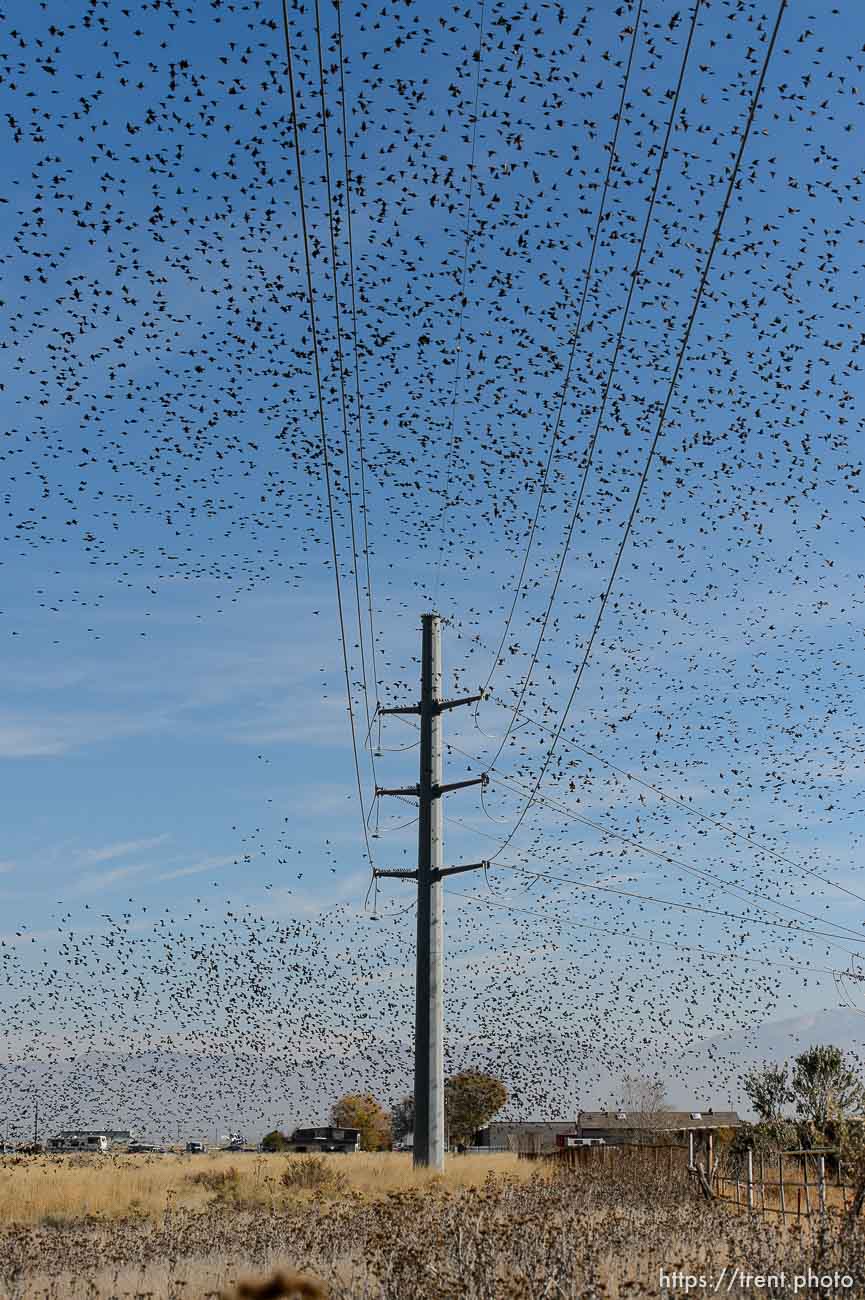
458, 369
566, 383
355, 336
595, 887
661, 418
647, 942
341, 372
633, 281
323, 433
694, 812
729, 886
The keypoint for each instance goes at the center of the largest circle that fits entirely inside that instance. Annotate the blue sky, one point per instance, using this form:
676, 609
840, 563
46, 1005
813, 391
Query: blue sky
174, 723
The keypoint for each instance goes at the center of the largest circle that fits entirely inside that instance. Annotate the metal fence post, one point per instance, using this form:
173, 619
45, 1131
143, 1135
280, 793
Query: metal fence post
750, 1178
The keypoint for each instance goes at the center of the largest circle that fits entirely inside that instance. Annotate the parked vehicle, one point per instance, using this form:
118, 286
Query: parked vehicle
81, 1140
196, 1148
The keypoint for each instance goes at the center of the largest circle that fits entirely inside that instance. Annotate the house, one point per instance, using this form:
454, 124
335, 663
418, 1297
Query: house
326, 1138
85, 1139
617, 1126
609, 1127
522, 1135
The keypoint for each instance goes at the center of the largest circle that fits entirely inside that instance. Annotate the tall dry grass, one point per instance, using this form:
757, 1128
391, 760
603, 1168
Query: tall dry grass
64, 1188
572, 1234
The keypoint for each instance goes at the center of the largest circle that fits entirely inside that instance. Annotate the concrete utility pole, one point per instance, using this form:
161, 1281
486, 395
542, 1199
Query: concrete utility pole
429, 1138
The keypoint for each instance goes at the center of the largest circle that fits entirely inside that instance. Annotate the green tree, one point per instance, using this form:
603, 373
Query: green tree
363, 1112
274, 1141
471, 1100
824, 1088
768, 1090
402, 1118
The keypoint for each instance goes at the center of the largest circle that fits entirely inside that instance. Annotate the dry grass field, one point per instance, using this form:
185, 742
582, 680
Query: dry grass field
34, 1189
371, 1230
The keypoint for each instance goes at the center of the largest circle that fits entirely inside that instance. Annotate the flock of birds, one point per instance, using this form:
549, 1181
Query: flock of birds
582, 288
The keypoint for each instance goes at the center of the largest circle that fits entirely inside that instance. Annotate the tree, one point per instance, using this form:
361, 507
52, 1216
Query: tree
402, 1118
274, 1141
645, 1096
471, 1100
363, 1112
824, 1087
768, 1090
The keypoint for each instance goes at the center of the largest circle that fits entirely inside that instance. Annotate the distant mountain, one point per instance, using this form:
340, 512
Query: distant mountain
163, 1094
155, 1092
712, 1071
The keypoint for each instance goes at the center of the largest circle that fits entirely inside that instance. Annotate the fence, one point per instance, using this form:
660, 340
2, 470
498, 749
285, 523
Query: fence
795, 1184
667, 1158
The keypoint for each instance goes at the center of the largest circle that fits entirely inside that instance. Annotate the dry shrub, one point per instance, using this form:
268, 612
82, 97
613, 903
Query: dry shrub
219, 1181
608, 1232
314, 1174
295, 1286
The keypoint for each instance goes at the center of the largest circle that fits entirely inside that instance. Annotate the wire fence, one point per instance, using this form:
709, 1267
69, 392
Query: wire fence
790, 1185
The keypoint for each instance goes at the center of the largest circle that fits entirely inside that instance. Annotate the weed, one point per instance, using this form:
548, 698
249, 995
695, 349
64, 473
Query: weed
215, 1180
56, 1220
314, 1174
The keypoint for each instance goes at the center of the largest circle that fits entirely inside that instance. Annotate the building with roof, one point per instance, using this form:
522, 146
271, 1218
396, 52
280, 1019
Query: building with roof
522, 1135
326, 1138
607, 1126
635, 1126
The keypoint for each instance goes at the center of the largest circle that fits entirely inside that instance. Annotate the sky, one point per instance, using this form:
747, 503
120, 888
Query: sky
174, 733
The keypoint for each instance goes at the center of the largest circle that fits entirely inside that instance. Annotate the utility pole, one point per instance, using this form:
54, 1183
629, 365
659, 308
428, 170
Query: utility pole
429, 1141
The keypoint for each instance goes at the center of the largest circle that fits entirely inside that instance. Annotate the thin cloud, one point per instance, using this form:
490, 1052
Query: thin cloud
210, 864
64, 733
93, 881
122, 849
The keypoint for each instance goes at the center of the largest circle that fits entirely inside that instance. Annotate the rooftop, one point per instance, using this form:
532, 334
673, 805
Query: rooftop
664, 1119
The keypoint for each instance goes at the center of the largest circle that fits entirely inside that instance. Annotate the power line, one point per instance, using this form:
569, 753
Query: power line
649, 942
323, 433
695, 812
577, 330
593, 886
351, 276
661, 418
468, 222
633, 279
727, 886
539, 875
341, 372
